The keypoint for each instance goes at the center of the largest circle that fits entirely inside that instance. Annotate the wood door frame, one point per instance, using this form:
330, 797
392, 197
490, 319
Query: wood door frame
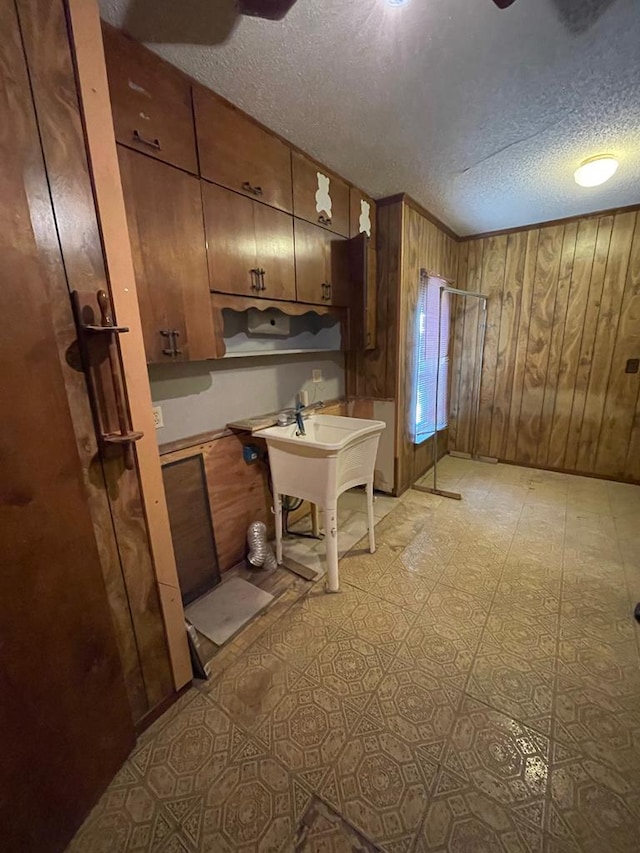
86, 39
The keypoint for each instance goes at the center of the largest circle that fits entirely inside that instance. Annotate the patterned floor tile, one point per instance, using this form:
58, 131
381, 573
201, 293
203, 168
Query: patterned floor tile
380, 784
401, 525
470, 577
592, 807
517, 686
416, 706
252, 687
446, 603
379, 622
350, 667
190, 752
254, 806
512, 629
296, 638
490, 794
128, 818
613, 669
322, 830
473, 688
404, 588
307, 730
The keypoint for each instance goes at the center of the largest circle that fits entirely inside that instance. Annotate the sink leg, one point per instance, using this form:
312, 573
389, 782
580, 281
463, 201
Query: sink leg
371, 520
277, 505
331, 540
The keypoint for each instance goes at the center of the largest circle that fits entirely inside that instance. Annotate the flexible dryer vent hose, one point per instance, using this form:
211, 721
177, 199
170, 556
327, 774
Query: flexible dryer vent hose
260, 553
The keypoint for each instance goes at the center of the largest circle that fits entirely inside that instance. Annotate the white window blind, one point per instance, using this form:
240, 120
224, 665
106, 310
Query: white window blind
431, 365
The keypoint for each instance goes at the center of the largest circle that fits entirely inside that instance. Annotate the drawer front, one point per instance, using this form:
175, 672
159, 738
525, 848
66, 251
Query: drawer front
319, 197
150, 101
238, 154
362, 215
322, 265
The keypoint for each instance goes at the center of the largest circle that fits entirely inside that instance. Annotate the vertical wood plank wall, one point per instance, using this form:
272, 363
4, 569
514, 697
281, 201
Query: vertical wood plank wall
424, 246
563, 317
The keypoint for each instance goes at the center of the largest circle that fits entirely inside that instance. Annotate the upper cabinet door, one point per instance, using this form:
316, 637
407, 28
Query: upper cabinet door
164, 215
322, 265
150, 101
237, 153
318, 196
362, 215
249, 246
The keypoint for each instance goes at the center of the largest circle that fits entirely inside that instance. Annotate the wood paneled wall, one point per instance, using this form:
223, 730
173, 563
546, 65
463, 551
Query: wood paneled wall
563, 318
408, 241
424, 246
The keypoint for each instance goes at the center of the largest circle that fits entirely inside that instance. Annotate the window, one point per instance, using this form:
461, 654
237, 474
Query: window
431, 366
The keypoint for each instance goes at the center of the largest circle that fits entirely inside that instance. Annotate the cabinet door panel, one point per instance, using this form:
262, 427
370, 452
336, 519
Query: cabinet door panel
238, 154
151, 102
164, 215
231, 241
340, 288
274, 252
312, 262
311, 184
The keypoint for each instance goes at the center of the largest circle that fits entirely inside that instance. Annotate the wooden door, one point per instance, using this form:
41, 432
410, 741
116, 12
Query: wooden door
274, 252
65, 722
237, 153
319, 196
164, 215
249, 246
322, 265
150, 100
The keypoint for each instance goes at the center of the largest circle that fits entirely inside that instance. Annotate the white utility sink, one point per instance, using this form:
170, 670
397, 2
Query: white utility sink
336, 454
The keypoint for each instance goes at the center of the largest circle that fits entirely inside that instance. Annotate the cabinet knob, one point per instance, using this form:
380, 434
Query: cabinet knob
151, 143
250, 188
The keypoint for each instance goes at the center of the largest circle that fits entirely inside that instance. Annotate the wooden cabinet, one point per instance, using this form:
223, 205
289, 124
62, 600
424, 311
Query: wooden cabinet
362, 257
150, 101
363, 221
164, 215
249, 246
318, 196
322, 265
237, 153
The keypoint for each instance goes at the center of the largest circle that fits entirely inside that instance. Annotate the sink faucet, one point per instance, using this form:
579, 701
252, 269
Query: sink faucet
301, 411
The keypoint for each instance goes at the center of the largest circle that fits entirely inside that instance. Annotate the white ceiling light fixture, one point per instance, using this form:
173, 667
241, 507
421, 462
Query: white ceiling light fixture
396, 2
596, 170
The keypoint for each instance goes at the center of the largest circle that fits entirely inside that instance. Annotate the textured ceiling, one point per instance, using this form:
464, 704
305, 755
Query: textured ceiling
482, 115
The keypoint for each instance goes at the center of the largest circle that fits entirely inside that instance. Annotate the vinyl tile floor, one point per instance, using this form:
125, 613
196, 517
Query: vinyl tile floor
474, 688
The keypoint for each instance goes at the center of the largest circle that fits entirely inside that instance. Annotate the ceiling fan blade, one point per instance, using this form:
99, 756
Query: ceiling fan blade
503, 4
273, 10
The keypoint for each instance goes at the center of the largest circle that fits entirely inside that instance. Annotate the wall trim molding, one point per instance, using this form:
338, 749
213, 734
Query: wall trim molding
550, 222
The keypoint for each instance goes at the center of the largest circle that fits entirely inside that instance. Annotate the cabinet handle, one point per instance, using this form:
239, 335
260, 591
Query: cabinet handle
256, 281
326, 291
324, 220
152, 143
174, 338
166, 333
261, 273
249, 188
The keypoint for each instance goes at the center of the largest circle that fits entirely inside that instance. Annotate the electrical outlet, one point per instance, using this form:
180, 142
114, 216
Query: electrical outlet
157, 417
316, 374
